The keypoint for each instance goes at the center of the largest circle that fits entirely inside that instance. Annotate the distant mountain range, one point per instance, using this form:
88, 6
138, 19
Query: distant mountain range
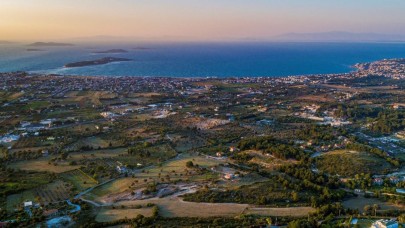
340, 37
50, 44
5, 42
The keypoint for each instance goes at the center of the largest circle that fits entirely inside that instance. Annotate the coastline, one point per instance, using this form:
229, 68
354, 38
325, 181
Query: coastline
203, 60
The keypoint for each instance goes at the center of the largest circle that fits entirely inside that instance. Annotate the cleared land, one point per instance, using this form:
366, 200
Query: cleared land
43, 164
175, 207
174, 169
108, 215
290, 211
359, 203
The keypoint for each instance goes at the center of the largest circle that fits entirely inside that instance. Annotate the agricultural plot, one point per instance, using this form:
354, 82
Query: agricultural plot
246, 179
43, 164
175, 207
26, 142
288, 211
267, 161
79, 179
172, 170
109, 215
49, 193
185, 143
96, 154
87, 98
91, 142
359, 203
149, 155
35, 105
16, 201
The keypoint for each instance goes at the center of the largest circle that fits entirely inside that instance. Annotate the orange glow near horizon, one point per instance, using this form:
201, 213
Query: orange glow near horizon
193, 20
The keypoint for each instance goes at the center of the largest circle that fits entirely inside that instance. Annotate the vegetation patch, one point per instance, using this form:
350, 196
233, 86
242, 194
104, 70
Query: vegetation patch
348, 163
79, 179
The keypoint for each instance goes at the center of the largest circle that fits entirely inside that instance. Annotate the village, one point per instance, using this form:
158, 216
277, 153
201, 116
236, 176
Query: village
102, 150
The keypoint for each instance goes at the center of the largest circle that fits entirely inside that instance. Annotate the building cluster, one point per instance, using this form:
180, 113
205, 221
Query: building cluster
393, 68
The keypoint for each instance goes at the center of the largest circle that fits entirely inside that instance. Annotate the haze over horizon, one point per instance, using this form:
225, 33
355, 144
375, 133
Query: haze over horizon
191, 20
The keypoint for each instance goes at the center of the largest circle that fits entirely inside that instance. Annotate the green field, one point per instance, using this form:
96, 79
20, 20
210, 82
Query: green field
79, 179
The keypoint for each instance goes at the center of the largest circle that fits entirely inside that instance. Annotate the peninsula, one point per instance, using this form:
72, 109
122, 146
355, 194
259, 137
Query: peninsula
96, 62
111, 51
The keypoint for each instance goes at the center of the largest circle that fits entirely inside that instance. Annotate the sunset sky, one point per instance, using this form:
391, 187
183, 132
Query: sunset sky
195, 20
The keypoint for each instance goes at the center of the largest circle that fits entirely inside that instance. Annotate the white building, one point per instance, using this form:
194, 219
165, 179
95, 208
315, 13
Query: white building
385, 223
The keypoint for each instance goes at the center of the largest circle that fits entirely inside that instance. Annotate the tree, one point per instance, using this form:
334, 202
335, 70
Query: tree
189, 164
401, 218
294, 196
269, 221
375, 208
367, 208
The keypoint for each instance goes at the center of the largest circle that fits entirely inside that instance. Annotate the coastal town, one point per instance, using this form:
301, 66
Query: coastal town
259, 151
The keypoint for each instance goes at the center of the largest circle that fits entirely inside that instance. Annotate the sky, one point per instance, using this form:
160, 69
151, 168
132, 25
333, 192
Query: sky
48, 20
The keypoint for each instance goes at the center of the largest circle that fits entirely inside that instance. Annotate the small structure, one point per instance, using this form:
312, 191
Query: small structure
378, 181
45, 153
122, 169
28, 204
394, 179
385, 223
107, 115
50, 213
229, 176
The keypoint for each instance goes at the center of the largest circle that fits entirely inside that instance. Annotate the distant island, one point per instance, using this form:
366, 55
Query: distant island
5, 42
50, 44
96, 62
35, 49
111, 51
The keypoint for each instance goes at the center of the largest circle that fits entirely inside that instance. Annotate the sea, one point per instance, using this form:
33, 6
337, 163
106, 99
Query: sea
243, 59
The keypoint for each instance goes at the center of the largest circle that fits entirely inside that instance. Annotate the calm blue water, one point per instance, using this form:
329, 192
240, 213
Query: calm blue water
201, 60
